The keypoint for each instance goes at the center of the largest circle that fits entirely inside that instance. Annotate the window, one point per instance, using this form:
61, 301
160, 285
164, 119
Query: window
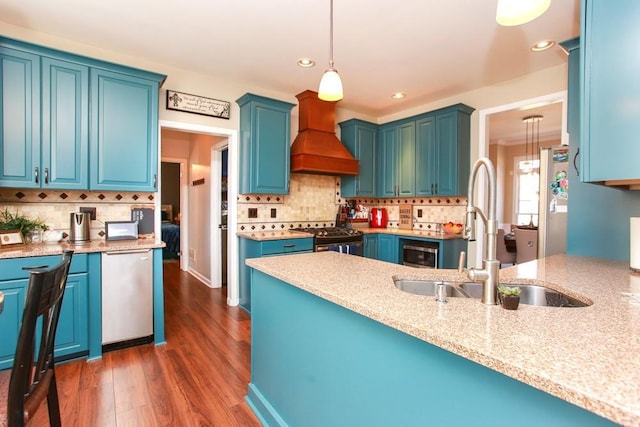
527, 187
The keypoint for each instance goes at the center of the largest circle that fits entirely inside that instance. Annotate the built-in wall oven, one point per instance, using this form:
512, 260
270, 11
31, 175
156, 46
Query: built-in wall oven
343, 240
420, 254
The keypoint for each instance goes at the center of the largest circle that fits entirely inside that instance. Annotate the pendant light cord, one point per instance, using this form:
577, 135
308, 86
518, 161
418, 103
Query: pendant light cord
331, 35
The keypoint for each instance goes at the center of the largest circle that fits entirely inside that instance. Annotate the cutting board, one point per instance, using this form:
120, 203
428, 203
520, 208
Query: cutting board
406, 217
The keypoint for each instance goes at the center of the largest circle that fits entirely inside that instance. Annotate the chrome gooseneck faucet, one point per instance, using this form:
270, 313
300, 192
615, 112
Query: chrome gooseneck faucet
489, 272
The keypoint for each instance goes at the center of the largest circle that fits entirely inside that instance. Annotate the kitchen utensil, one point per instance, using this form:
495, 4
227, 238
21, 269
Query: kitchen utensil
79, 227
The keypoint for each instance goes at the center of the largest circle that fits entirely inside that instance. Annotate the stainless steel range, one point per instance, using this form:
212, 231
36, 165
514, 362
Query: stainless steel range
343, 240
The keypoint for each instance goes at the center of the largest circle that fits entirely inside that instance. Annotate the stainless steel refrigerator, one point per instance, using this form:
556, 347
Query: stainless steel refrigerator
554, 201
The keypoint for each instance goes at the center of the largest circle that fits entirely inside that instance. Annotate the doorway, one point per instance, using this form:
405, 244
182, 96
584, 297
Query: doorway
501, 123
173, 196
209, 178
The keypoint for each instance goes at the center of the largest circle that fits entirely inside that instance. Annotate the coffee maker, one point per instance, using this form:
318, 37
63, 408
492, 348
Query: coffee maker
79, 227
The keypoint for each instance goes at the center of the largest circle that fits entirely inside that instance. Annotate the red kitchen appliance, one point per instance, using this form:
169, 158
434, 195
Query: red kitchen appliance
378, 218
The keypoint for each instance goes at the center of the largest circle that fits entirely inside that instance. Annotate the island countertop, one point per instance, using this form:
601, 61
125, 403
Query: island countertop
587, 356
43, 249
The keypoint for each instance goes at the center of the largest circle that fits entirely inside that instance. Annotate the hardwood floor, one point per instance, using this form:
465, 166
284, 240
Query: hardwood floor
199, 378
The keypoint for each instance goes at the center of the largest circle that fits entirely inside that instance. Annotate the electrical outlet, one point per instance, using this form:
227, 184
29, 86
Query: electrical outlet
419, 213
253, 212
273, 212
91, 211
192, 254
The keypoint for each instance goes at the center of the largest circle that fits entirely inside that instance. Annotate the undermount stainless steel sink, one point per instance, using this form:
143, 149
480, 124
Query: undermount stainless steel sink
430, 287
530, 295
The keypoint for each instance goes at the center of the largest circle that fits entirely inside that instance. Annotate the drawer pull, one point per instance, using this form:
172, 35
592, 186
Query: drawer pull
291, 245
35, 266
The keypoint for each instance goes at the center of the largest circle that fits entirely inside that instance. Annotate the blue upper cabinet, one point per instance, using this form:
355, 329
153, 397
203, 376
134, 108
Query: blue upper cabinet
610, 118
396, 159
360, 139
452, 150
75, 123
265, 133
426, 155
19, 118
426, 179
388, 161
406, 159
65, 125
124, 132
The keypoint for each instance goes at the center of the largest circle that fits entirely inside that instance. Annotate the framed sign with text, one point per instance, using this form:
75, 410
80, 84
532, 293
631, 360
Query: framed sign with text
186, 102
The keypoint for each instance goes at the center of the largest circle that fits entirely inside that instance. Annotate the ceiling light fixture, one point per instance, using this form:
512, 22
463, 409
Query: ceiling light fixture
330, 85
306, 62
398, 95
517, 12
542, 45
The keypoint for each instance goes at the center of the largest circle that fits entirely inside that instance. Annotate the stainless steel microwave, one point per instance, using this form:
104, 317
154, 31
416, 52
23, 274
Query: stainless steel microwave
420, 255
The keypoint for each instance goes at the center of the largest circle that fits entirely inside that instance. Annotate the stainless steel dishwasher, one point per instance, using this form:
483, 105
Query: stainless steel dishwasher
127, 298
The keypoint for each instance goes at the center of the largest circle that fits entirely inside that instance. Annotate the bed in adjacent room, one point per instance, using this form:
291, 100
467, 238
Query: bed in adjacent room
170, 233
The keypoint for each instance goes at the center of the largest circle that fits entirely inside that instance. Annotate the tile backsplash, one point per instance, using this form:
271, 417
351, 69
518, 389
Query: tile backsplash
313, 201
54, 206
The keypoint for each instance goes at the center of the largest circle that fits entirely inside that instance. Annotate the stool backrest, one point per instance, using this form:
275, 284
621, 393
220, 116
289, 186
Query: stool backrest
32, 373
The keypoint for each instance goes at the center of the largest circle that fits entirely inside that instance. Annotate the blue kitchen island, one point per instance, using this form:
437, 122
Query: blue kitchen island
335, 343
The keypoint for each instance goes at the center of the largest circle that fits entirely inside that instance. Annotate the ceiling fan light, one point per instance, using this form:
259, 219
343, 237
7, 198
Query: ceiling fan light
517, 12
330, 86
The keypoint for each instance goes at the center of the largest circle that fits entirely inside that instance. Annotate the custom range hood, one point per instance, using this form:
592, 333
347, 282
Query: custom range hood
317, 149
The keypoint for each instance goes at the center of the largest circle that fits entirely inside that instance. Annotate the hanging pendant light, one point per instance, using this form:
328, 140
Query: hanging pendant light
533, 122
330, 85
517, 12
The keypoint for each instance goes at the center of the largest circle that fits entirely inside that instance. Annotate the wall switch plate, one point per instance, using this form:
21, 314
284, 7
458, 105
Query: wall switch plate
91, 211
253, 212
273, 212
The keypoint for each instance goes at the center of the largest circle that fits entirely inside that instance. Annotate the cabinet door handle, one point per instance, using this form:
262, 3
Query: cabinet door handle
155, 180
431, 188
35, 267
290, 245
575, 162
46, 175
436, 188
37, 175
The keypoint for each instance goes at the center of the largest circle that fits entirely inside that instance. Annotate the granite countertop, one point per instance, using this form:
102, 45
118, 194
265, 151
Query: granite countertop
587, 356
290, 234
273, 235
43, 249
411, 233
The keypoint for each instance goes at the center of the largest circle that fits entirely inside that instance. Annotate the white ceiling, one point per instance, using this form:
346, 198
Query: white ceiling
429, 49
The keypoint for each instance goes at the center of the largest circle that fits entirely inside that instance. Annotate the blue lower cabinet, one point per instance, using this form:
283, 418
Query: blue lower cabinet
72, 337
256, 249
370, 246
449, 256
15, 292
388, 248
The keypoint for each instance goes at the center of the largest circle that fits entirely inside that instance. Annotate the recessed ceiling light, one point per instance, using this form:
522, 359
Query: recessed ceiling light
542, 45
306, 62
398, 95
